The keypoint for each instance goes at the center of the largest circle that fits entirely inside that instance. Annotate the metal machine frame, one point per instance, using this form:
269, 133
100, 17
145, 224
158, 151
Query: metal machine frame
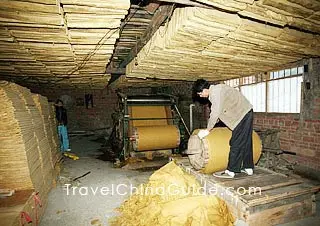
121, 127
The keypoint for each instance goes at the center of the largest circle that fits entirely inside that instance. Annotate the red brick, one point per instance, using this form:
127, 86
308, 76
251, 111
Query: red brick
316, 128
294, 124
308, 139
296, 137
284, 135
303, 146
288, 123
308, 153
316, 114
285, 144
259, 121
271, 122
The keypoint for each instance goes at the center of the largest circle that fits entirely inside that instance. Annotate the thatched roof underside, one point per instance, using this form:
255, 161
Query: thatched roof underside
59, 41
213, 44
78, 43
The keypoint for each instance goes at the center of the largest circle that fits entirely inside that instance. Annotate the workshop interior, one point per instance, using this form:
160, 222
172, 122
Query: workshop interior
159, 112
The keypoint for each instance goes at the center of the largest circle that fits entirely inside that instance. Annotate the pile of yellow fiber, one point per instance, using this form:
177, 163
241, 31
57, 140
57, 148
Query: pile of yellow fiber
172, 197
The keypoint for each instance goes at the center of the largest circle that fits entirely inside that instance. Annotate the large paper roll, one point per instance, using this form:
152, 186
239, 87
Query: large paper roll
148, 138
147, 111
211, 154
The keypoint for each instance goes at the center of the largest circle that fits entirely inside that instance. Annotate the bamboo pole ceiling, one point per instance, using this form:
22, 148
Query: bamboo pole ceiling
216, 44
59, 41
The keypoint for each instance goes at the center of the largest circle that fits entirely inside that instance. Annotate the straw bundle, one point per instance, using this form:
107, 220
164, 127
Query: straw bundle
25, 152
45, 143
43, 146
19, 156
50, 129
55, 140
24, 139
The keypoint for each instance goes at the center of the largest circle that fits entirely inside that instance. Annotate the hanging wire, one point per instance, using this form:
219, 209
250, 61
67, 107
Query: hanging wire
100, 43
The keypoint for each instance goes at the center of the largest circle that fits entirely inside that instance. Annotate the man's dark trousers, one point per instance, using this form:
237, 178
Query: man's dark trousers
241, 153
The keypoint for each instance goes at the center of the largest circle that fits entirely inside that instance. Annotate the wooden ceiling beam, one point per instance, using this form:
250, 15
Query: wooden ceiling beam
152, 7
186, 2
163, 12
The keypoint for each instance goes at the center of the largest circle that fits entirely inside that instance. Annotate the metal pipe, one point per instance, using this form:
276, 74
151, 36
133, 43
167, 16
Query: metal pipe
149, 100
124, 130
147, 118
191, 116
177, 110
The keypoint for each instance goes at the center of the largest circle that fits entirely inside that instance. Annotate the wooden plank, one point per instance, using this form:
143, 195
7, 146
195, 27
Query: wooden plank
282, 214
265, 182
280, 193
280, 202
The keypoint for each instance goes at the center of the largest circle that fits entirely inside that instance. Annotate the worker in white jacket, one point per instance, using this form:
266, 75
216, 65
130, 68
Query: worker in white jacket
235, 111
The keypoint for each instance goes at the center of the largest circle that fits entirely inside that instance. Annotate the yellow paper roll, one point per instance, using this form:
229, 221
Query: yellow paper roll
211, 154
149, 112
156, 137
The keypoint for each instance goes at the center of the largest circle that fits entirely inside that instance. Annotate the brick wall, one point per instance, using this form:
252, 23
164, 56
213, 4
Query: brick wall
300, 133
79, 117
296, 135
105, 103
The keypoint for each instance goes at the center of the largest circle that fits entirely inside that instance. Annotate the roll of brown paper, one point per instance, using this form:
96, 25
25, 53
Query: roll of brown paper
211, 154
156, 137
149, 112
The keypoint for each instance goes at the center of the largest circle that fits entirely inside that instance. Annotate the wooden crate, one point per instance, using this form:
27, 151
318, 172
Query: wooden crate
282, 198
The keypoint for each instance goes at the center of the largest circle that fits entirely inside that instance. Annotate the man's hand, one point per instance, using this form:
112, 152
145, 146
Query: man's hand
203, 133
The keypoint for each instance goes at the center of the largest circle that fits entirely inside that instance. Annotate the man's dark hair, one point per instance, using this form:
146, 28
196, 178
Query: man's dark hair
59, 100
199, 85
